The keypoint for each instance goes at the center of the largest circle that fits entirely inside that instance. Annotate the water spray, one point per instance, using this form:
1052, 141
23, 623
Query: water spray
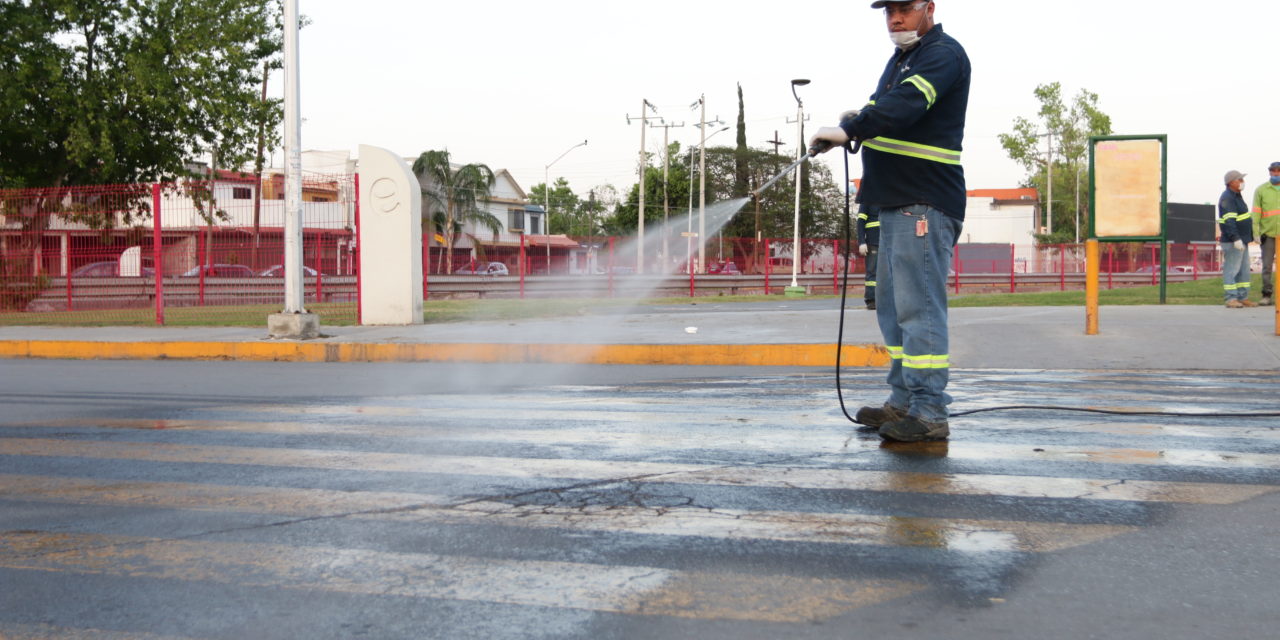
821, 146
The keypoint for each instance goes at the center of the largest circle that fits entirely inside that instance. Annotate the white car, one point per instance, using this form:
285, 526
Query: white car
482, 269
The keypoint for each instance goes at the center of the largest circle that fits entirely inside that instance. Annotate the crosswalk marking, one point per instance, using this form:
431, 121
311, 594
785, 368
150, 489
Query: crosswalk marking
620, 589
836, 528
15, 631
341, 459
623, 475
320, 502
594, 469
748, 430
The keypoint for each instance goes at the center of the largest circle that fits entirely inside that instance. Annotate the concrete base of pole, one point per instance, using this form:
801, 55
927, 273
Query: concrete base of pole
793, 292
295, 326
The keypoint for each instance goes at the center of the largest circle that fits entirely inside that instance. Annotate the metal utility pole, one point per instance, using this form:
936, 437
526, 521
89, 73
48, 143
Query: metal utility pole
776, 141
292, 165
1048, 167
702, 180
546, 198
800, 151
644, 124
1050, 179
666, 203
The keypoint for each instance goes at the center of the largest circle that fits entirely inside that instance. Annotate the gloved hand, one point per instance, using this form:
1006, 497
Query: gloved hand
862, 249
1238, 244
826, 138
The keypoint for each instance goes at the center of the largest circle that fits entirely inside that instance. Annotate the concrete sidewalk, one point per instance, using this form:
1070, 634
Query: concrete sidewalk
789, 332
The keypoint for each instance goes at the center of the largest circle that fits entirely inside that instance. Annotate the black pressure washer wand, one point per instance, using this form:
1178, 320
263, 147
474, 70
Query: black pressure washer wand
820, 147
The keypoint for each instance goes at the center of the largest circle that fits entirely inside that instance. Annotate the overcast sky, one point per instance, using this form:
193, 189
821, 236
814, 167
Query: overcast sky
514, 84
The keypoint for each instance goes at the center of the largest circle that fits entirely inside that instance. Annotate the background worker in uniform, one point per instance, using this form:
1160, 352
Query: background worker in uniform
1235, 232
911, 133
869, 249
1266, 221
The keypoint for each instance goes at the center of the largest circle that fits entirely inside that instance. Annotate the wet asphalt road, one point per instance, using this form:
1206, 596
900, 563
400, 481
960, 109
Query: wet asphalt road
257, 500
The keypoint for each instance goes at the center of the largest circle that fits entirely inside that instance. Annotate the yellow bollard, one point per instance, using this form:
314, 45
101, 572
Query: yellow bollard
1091, 287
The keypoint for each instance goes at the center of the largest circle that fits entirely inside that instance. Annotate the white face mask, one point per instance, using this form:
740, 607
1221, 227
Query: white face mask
904, 39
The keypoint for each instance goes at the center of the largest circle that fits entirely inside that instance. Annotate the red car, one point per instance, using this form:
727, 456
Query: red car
221, 271
107, 269
724, 269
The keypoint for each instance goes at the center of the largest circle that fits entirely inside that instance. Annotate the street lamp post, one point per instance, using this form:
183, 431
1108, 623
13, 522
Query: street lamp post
795, 289
546, 198
689, 219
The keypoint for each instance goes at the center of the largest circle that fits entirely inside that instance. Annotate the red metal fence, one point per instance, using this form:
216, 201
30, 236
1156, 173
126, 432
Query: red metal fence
195, 252
207, 252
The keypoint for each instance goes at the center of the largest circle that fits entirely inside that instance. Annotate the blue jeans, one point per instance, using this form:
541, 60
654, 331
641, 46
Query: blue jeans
911, 306
1235, 272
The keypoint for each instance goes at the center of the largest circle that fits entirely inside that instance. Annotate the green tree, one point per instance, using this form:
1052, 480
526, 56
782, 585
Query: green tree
126, 91
452, 197
563, 205
821, 205
741, 155
1069, 128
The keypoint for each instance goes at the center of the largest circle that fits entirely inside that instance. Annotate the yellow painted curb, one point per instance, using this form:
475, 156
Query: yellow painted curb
781, 355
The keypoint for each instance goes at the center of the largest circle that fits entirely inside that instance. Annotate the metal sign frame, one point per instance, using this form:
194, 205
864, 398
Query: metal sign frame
1164, 198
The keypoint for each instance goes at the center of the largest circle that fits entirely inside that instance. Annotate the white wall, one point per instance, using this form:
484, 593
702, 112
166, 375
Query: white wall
985, 221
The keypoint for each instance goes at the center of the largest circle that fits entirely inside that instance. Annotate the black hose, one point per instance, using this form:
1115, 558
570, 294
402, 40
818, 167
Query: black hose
844, 291
844, 287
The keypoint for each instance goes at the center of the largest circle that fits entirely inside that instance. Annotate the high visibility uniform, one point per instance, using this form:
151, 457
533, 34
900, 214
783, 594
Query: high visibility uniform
1235, 221
869, 234
913, 127
1266, 224
1266, 209
911, 134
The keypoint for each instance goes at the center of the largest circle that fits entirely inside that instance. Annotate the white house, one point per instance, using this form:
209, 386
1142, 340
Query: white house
1000, 216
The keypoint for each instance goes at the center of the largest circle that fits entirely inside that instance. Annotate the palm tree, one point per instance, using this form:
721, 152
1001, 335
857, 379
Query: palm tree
453, 197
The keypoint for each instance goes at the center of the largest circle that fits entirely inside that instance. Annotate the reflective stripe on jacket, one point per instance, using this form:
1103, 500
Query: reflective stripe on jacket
1266, 209
1235, 221
913, 128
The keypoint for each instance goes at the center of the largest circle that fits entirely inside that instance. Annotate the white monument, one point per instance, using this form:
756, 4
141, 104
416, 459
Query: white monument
390, 240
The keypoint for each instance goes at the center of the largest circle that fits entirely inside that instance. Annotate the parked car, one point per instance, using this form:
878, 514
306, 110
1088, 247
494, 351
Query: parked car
483, 269
724, 269
277, 271
106, 269
221, 271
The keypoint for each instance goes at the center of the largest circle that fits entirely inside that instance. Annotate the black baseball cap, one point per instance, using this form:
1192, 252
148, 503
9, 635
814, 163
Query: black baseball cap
1275, 166
881, 3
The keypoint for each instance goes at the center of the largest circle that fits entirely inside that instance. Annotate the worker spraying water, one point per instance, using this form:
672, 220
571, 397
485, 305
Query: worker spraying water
911, 132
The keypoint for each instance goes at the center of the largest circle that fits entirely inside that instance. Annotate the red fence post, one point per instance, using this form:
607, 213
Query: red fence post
955, 267
1154, 259
66, 262
359, 276
611, 238
1195, 262
1061, 266
1111, 264
200, 251
835, 266
768, 266
1013, 269
426, 264
157, 251
522, 259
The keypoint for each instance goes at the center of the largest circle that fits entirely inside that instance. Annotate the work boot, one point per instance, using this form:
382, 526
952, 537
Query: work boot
874, 417
1266, 301
1248, 303
910, 428
1234, 304
871, 305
